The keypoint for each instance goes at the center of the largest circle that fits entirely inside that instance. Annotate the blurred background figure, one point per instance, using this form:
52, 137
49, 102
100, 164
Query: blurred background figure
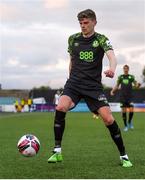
126, 82
56, 97
22, 104
16, 105
29, 102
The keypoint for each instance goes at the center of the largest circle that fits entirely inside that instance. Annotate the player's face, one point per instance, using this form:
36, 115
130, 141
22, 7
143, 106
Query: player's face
87, 26
126, 70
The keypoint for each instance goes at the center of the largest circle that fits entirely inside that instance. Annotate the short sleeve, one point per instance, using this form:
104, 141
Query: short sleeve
105, 43
69, 47
70, 44
119, 80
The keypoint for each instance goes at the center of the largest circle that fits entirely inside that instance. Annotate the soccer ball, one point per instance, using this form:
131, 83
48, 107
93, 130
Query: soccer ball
28, 145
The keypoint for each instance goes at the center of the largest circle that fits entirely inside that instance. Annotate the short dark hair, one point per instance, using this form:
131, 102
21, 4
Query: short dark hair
125, 66
88, 13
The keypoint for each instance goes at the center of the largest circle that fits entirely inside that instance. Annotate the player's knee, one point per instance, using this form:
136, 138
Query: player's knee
61, 108
108, 120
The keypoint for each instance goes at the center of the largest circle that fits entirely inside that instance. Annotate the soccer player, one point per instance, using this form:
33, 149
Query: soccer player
86, 51
125, 82
16, 105
22, 105
29, 102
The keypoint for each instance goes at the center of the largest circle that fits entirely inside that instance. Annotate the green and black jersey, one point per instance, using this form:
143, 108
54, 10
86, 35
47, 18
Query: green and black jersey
126, 82
86, 55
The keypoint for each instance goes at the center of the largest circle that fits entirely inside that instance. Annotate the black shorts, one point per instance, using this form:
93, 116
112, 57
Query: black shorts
126, 103
94, 99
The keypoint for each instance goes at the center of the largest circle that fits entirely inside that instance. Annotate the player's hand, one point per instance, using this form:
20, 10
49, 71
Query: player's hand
109, 73
111, 93
138, 85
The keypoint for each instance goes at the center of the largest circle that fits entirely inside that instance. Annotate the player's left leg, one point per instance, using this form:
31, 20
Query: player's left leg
131, 113
115, 132
97, 102
124, 116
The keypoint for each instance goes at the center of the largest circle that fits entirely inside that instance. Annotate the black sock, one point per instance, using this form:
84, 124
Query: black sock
124, 118
130, 117
117, 138
59, 125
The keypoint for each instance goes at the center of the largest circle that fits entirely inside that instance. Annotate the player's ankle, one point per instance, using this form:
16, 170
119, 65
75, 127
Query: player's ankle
57, 149
124, 157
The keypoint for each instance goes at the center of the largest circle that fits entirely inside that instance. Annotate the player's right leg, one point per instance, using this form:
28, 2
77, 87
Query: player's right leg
64, 104
131, 113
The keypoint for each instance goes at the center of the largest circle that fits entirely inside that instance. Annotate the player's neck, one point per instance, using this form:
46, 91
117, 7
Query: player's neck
88, 35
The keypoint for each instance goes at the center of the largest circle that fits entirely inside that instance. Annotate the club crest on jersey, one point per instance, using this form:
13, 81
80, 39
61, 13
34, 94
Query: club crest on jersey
95, 43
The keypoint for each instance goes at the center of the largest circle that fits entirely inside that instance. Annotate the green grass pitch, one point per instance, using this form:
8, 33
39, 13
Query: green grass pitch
88, 150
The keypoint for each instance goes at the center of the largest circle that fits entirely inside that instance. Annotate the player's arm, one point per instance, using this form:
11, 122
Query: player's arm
70, 42
135, 83
114, 89
112, 64
108, 49
70, 65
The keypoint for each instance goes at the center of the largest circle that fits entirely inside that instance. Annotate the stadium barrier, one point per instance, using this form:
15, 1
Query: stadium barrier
11, 108
81, 107
115, 107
